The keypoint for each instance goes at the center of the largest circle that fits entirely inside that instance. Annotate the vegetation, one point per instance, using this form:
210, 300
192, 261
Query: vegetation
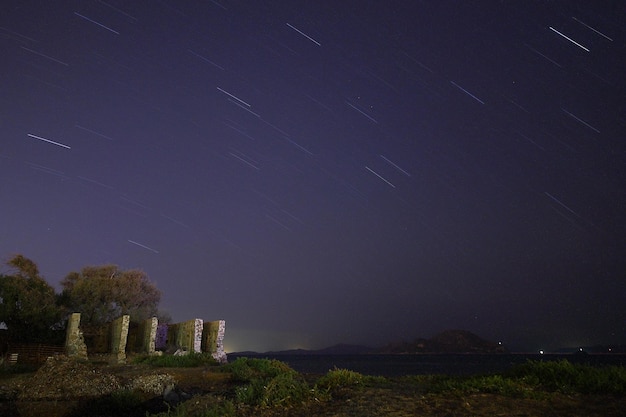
103, 293
267, 383
532, 379
264, 388
33, 313
190, 360
28, 304
566, 377
337, 380
269, 387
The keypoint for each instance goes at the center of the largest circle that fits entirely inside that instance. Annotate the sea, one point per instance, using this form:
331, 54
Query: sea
422, 364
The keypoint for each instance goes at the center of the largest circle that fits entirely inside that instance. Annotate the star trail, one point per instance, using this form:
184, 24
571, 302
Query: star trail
327, 172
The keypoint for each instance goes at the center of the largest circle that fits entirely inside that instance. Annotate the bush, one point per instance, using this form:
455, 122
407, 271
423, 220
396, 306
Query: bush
269, 382
340, 378
286, 389
248, 369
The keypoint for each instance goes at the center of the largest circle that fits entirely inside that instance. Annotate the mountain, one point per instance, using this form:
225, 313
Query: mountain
340, 349
449, 341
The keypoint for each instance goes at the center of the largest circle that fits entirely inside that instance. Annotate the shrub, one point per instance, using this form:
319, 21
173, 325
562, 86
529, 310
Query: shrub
269, 382
340, 378
248, 369
282, 390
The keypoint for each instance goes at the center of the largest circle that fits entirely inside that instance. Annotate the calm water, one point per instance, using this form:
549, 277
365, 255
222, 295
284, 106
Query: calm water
397, 365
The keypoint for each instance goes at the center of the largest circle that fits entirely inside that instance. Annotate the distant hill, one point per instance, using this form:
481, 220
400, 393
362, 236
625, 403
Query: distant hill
341, 349
449, 341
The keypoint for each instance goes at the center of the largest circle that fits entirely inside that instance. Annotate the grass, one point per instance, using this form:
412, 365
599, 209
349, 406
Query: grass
336, 381
264, 387
191, 360
568, 378
533, 379
263, 384
259, 384
267, 383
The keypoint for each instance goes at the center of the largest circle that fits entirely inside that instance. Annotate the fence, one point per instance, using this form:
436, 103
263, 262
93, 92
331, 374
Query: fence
33, 354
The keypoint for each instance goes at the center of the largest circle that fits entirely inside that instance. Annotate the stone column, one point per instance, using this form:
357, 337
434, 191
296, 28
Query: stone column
213, 339
147, 335
197, 335
119, 335
74, 341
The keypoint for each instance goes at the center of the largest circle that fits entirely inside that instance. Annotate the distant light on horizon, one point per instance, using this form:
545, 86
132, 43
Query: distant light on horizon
241, 340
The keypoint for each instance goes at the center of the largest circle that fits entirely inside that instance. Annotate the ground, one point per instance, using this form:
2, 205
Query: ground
207, 385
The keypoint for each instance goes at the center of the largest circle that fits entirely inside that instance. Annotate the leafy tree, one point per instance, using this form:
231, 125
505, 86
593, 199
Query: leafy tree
28, 304
103, 293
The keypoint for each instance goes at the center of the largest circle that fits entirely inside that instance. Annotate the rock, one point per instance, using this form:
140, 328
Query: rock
181, 352
152, 384
170, 396
61, 378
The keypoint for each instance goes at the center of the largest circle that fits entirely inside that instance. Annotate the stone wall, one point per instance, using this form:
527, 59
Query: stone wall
186, 335
213, 339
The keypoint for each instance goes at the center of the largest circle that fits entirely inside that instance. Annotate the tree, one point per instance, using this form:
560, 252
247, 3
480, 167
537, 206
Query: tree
28, 304
103, 293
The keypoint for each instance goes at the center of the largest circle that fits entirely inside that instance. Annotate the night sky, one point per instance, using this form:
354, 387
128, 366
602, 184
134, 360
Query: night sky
321, 172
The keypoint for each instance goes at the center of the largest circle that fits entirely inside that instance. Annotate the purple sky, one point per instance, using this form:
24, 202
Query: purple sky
317, 172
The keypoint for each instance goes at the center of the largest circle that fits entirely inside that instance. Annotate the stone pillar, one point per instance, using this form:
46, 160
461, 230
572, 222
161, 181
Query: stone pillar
186, 335
147, 335
74, 341
197, 335
119, 335
213, 339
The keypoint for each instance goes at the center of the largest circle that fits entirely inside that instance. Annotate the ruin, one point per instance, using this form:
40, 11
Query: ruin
115, 339
119, 337
186, 335
74, 341
213, 339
